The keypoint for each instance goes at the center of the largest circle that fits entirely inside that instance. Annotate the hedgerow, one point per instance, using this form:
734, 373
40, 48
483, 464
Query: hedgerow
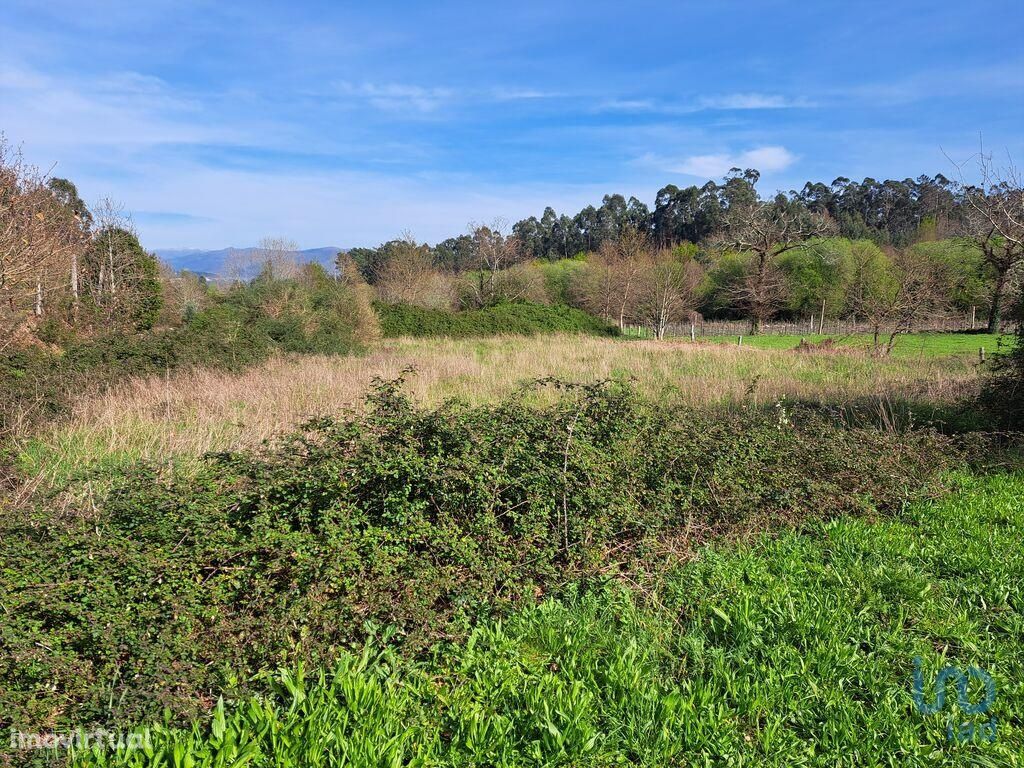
169, 589
508, 318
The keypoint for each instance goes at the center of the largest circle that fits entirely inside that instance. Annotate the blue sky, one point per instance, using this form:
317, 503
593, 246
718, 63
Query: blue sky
340, 124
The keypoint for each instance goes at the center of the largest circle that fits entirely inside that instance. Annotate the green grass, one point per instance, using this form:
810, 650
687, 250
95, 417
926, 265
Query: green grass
910, 345
789, 650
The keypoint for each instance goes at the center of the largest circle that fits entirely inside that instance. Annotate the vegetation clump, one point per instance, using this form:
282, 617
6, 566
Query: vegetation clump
522, 319
794, 649
308, 313
168, 588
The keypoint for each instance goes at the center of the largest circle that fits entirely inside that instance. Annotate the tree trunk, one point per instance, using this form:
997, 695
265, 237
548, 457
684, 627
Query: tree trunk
74, 283
995, 310
113, 289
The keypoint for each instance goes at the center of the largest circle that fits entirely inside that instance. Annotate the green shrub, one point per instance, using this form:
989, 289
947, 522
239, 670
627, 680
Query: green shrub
510, 318
170, 589
794, 649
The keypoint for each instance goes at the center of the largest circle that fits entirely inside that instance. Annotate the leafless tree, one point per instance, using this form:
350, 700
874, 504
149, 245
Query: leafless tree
993, 219
409, 276
1001, 202
592, 288
915, 288
274, 258
764, 230
278, 258
494, 251
185, 293
108, 268
625, 258
666, 290
39, 242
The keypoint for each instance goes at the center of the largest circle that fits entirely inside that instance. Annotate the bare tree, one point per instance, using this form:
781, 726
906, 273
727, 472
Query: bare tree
185, 294
993, 219
493, 252
278, 258
666, 290
764, 230
1001, 202
914, 288
593, 288
274, 258
625, 258
39, 242
110, 217
408, 276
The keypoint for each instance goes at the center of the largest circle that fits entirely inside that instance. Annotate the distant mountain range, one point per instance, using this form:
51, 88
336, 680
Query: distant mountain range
211, 263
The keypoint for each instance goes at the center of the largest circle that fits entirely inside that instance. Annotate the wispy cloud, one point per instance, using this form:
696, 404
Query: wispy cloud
767, 159
753, 101
690, 105
397, 97
522, 94
123, 110
418, 99
627, 105
168, 217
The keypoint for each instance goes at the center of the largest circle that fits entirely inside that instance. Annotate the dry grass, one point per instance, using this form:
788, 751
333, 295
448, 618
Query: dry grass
194, 412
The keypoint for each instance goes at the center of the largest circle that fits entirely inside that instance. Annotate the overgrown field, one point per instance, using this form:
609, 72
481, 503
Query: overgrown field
189, 413
549, 550
794, 649
165, 588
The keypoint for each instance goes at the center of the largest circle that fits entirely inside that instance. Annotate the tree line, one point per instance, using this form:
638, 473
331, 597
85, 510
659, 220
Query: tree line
61, 263
888, 254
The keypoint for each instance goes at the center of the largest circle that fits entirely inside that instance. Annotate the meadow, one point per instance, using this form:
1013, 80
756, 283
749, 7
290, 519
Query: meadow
910, 345
553, 550
493, 498
188, 413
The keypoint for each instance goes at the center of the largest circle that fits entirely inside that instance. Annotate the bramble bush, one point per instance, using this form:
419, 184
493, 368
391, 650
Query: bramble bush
513, 318
170, 589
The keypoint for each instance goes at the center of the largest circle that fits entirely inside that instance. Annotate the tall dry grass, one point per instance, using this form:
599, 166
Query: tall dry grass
190, 413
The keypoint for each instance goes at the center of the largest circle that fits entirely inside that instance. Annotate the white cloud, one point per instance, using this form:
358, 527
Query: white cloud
397, 97
764, 159
521, 94
124, 110
732, 101
627, 105
752, 101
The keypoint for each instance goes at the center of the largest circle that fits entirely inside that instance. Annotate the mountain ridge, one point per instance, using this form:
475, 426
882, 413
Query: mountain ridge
211, 261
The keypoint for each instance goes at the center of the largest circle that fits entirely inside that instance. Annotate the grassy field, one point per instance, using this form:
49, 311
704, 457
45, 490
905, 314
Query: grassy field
963, 345
789, 639
187, 414
795, 649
